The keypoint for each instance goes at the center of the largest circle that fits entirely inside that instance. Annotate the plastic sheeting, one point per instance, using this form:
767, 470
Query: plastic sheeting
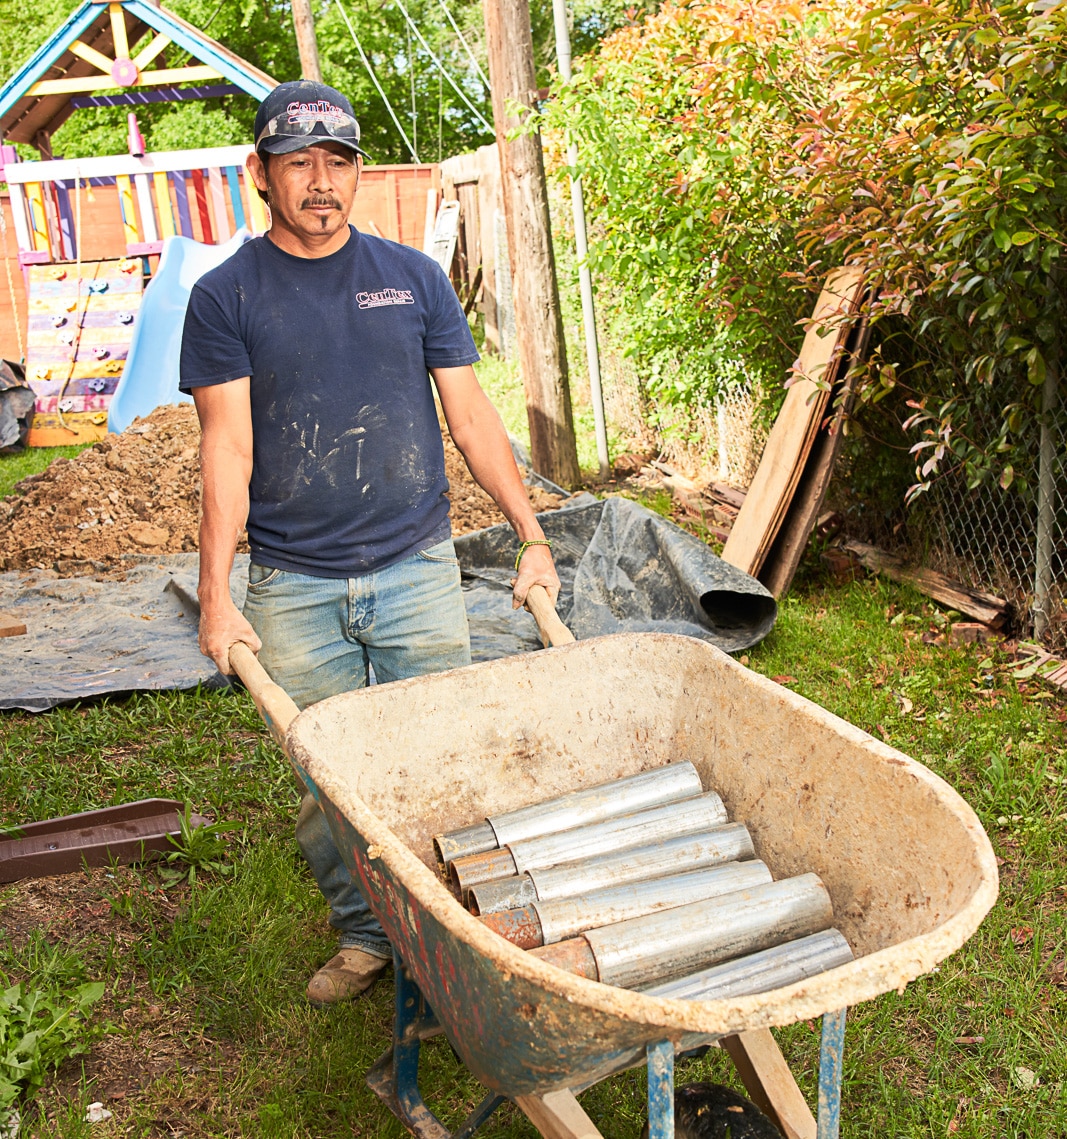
17, 402
623, 568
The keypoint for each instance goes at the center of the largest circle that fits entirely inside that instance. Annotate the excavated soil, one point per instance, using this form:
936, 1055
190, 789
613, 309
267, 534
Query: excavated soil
139, 493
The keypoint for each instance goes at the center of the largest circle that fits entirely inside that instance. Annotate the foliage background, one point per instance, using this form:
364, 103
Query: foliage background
734, 152
261, 31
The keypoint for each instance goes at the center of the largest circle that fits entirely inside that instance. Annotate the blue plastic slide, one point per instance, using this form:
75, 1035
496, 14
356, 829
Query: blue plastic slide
150, 377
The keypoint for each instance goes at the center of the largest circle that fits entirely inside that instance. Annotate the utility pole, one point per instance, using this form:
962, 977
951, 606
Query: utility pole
538, 320
304, 23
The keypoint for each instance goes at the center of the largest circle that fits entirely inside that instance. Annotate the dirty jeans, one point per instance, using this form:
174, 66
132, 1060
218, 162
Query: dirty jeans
319, 637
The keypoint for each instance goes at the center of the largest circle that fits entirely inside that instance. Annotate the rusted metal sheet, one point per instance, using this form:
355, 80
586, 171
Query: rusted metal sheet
130, 832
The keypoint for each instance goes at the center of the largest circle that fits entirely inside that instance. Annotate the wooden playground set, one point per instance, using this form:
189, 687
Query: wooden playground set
82, 237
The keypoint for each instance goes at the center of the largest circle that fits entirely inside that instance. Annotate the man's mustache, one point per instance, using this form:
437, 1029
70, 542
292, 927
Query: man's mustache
310, 203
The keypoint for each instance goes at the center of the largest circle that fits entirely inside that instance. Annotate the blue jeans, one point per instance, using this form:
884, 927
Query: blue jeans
321, 636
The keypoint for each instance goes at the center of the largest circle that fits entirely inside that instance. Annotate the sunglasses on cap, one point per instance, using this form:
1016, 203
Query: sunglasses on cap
302, 120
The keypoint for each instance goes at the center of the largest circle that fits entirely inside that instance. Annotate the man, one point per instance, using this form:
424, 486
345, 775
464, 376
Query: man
309, 355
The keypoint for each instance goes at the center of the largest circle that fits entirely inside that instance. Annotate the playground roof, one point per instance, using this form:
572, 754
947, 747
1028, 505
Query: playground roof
95, 51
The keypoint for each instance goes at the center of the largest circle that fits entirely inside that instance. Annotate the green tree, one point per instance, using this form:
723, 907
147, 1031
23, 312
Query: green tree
735, 152
436, 119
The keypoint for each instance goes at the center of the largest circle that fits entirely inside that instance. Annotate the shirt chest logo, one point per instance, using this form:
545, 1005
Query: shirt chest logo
385, 297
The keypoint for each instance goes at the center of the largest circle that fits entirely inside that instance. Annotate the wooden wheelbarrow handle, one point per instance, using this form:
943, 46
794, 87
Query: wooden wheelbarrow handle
274, 703
551, 628
277, 708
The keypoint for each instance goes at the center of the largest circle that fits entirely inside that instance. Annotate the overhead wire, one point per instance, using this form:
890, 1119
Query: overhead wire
466, 47
441, 67
414, 107
377, 85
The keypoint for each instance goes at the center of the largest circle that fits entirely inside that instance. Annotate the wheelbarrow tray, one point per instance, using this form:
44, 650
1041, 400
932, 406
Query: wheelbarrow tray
909, 869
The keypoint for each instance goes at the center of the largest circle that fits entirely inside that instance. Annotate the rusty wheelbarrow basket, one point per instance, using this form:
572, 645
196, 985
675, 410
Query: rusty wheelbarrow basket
909, 869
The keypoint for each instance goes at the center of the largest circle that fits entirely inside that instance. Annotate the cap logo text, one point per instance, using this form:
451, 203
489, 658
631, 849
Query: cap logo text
319, 111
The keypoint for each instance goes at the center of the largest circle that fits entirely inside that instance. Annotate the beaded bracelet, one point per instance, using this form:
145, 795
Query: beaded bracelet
526, 545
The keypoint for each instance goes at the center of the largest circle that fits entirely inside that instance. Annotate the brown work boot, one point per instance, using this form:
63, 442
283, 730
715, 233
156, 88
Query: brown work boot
345, 976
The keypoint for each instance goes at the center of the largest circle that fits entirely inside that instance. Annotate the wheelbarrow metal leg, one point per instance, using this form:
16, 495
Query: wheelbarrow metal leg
394, 1078
661, 1090
831, 1054
479, 1115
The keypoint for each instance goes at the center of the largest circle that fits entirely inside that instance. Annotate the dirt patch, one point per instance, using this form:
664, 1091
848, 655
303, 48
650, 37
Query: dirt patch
139, 493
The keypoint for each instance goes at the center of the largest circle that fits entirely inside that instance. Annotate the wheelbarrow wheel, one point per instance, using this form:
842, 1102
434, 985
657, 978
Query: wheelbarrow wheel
713, 1111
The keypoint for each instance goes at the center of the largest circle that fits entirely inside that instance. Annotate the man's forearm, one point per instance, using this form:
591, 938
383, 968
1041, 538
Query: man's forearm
224, 513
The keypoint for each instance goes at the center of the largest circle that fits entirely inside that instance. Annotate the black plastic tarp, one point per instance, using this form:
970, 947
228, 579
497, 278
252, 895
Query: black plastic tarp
623, 568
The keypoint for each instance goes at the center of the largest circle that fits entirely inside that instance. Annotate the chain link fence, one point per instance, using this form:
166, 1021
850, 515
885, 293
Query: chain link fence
1009, 542
719, 441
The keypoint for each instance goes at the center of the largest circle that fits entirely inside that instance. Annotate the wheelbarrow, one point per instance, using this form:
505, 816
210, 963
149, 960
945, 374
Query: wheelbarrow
909, 869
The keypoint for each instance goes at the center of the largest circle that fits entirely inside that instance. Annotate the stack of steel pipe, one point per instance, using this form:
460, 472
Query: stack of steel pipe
644, 883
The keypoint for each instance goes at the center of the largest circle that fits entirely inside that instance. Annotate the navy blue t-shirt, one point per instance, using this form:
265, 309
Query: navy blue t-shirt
348, 468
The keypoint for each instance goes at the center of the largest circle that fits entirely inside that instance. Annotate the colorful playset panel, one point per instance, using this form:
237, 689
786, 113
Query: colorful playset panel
78, 338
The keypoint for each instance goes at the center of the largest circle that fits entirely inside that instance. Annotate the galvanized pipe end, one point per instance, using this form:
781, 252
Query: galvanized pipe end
503, 894
474, 839
474, 868
521, 927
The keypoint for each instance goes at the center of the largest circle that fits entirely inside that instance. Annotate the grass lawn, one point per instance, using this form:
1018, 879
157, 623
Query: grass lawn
31, 461
207, 1030
203, 1030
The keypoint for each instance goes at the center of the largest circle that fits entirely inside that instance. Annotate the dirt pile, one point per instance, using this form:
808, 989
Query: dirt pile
139, 493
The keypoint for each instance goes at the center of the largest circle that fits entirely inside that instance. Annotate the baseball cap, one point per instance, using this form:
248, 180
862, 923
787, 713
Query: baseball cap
303, 113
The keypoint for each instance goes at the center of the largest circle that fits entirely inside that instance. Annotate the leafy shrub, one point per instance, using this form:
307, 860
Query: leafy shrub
39, 1029
735, 152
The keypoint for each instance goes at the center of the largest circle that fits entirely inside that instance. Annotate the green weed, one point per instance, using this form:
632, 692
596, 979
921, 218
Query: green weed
196, 849
39, 1029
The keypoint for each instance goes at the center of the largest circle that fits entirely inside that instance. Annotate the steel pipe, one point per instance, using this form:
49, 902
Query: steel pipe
691, 816
667, 784
474, 868
729, 843
674, 943
544, 923
521, 926
475, 839
761, 972
502, 894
